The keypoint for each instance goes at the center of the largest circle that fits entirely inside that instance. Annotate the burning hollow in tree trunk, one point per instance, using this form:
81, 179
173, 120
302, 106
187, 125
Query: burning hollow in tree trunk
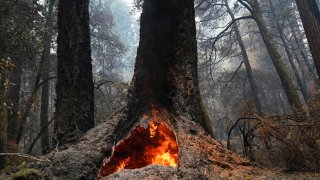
164, 120
154, 144
166, 76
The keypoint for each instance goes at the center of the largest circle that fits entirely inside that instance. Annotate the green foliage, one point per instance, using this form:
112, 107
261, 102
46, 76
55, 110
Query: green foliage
21, 27
7, 169
27, 174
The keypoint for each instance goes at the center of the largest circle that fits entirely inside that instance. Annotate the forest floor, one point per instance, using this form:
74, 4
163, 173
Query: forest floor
165, 173
168, 174
200, 157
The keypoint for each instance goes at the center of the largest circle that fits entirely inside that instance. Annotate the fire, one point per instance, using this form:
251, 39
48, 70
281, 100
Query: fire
155, 144
122, 164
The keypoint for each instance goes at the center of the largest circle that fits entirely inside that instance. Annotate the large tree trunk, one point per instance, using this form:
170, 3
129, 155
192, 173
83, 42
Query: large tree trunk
246, 61
166, 64
275, 56
75, 91
310, 17
45, 146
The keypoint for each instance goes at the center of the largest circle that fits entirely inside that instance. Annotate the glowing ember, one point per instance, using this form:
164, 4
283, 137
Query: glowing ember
155, 144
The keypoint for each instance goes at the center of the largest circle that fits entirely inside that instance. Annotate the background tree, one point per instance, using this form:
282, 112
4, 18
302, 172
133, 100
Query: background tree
4, 67
246, 61
285, 78
21, 43
44, 112
288, 52
75, 91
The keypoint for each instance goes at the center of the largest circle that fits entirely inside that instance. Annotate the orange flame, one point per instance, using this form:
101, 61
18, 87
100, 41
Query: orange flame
155, 144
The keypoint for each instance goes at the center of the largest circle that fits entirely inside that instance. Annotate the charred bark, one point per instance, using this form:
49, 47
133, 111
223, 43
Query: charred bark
310, 17
166, 64
75, 91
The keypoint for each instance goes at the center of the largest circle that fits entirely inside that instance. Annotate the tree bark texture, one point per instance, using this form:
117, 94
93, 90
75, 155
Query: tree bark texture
246, 62
310, 17
75, 91
275, 56
166, 64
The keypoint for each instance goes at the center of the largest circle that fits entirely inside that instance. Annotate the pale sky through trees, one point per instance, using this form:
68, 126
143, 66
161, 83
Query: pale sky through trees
127, 28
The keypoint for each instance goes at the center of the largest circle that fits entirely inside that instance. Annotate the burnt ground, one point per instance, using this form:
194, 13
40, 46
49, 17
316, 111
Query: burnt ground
200, 157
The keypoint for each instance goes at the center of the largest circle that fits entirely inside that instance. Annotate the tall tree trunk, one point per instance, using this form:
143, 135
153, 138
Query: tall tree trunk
275, 56
13, 99
310, 17
246, 61
289, 54
166, 64
45, 146
3, 119
75, 92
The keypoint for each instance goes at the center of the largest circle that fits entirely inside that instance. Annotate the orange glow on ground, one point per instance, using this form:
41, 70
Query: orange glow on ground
155, 144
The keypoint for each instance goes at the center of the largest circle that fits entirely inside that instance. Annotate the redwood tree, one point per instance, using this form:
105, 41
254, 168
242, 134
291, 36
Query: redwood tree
166, 64
45, 76
310, 17
75, 92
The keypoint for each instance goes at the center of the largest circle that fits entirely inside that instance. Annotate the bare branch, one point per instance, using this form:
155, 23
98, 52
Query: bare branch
247, 6
24, 156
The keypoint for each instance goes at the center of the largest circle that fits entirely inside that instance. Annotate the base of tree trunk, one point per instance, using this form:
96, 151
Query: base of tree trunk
200, 156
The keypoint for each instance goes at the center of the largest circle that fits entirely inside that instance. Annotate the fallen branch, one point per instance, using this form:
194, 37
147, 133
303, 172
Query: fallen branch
234, 125
25, 156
